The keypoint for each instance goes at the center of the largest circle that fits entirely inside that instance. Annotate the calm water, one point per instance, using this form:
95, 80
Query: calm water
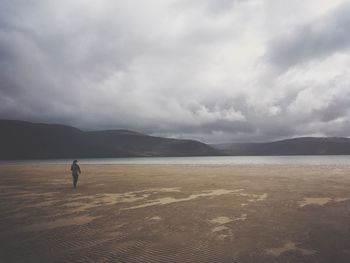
212, 160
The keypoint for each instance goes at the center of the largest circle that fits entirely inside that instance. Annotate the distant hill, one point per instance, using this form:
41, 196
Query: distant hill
297, 146
25, 140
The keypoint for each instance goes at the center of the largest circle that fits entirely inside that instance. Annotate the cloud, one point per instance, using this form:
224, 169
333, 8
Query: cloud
315, 40
210, 70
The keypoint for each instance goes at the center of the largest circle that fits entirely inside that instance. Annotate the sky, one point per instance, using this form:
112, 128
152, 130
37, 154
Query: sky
211, 70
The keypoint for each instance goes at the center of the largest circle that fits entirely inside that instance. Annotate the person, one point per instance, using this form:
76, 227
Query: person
75, 168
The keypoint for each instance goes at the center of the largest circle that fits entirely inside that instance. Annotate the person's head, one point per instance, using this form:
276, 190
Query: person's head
75, 161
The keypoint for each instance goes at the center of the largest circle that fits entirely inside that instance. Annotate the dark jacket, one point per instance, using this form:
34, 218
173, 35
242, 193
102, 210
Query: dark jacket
75, 168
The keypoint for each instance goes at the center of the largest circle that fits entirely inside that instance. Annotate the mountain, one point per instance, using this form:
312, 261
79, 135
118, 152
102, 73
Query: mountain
296, 146
25, 140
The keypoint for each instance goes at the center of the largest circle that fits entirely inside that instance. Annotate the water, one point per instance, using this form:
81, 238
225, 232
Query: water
205, 160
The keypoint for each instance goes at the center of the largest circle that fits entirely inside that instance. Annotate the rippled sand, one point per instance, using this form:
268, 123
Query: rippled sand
175, 213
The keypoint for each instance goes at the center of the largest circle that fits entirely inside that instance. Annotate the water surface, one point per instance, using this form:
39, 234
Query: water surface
204, 160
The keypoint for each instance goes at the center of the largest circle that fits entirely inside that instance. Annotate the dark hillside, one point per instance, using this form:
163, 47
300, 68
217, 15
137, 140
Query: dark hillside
25, 140
297, 146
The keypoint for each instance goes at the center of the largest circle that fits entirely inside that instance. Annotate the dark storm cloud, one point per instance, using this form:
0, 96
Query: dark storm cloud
48, 59
173, 68
335, 109
319, 39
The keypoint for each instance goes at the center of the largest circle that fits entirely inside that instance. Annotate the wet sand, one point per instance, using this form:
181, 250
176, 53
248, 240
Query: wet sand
175, 213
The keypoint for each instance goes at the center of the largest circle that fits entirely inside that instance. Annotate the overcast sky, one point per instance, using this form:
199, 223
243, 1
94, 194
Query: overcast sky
213, 70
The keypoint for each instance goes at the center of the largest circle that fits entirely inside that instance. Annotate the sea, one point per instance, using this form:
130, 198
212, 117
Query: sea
204, 160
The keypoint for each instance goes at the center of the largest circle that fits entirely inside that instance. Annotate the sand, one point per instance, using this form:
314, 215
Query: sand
175, 213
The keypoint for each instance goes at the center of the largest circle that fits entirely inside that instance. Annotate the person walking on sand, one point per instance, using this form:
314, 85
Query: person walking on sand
75, 168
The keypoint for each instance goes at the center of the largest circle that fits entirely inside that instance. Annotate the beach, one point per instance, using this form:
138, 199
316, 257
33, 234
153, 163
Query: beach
175, 213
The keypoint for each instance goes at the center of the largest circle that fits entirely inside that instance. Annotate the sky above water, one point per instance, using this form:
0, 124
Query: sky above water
212, 70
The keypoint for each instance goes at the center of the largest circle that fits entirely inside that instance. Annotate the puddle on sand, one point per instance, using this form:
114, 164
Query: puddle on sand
258, 198
115, 198
341, 199
82, 203
157, 190
170, 200
254, 197
154, 218
243, 217
320, 201
168, 189
289, 246
130, 197
80, 206
220, 220
78, 220
314, 201
219, 229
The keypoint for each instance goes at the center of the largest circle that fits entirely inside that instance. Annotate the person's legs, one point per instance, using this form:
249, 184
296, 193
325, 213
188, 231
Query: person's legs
75, 180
